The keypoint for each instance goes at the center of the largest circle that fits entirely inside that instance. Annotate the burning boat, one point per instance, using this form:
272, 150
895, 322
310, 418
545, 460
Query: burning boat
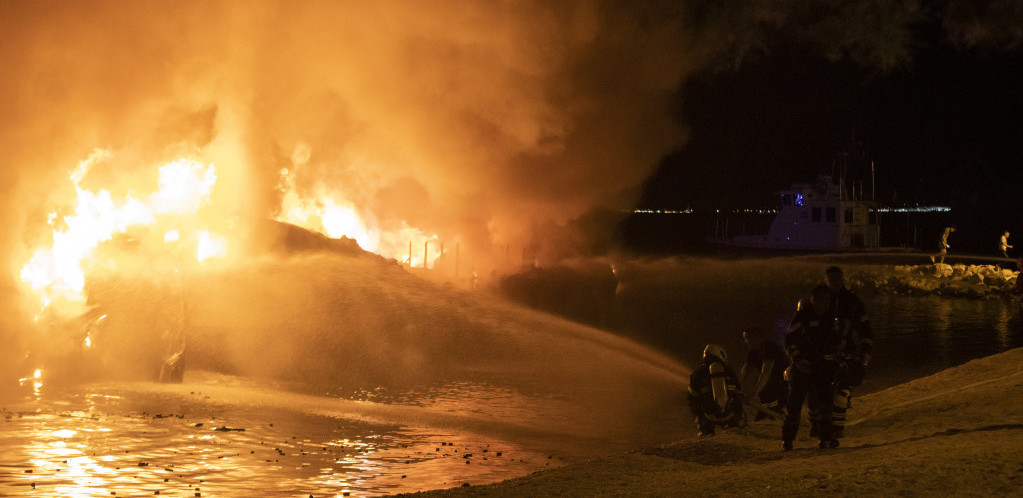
109, 279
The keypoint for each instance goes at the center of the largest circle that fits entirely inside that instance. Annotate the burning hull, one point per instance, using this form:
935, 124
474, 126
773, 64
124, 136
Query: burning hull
340, 323
136, 321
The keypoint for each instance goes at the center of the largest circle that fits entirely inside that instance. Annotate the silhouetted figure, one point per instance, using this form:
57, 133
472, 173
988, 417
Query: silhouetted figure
762, 384
812, 346
1003, 244
714, 395
943, 246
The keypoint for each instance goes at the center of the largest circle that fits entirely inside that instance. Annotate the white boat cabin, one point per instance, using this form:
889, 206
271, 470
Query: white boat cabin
820, 216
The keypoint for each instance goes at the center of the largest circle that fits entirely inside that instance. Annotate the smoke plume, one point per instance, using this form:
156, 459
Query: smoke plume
467, 119
476, 121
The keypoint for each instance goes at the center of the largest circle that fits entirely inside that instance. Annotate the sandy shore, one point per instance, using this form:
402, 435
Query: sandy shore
958, 432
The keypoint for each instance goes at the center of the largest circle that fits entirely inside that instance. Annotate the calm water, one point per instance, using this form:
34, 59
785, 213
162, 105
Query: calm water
679, 305
358, 378
928, 334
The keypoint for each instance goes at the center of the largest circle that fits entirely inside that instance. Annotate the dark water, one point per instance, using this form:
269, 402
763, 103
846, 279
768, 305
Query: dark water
930, 333
680, 304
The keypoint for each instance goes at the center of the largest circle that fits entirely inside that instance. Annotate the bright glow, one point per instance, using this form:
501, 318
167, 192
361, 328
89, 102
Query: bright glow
38, 374
326, 211
65, 433
321, 211
210, 245
340, 220
185, 186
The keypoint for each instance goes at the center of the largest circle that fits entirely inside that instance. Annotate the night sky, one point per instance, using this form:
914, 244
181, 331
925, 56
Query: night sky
943, 127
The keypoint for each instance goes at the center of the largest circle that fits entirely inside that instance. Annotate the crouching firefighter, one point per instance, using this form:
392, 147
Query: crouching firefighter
715, 397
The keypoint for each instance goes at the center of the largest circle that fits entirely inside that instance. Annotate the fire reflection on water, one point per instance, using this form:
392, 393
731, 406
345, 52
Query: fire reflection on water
110, 447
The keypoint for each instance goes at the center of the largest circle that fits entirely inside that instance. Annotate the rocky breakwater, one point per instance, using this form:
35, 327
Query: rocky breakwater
971, 281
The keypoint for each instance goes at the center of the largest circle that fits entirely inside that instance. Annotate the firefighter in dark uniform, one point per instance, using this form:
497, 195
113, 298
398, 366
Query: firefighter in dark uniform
762, 375
715, 397
812, 346
856, 341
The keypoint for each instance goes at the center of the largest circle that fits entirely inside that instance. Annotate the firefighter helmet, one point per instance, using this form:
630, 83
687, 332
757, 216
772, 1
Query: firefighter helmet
715, 351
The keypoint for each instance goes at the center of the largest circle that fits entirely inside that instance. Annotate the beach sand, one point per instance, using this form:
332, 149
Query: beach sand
955, 433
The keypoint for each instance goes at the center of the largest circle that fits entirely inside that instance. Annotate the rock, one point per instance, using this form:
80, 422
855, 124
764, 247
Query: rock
994, 280
227, 429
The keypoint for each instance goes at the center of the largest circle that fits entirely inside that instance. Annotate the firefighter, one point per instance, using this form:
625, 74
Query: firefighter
762, 382
714, 394
856, 341
811, 344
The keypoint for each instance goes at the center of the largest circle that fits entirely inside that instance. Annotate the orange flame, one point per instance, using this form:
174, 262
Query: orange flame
329, 213
58, 272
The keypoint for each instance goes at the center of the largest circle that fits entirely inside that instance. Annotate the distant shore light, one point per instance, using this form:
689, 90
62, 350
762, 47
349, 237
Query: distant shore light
915, 209
663, 211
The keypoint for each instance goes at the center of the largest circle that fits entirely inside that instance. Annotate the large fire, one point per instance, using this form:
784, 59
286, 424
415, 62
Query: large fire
169, 219
57, 273
324, 210
152, 232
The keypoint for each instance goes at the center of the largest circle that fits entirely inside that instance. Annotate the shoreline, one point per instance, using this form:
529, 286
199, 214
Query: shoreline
958, 431
900, 438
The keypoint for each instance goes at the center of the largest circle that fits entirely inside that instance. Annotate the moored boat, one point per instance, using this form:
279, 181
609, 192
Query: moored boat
825, 216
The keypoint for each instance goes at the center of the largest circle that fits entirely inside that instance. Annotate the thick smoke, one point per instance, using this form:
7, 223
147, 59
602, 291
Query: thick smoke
473, 120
